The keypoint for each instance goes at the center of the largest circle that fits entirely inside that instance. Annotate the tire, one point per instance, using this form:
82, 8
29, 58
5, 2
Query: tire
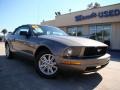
46, 65
8, 52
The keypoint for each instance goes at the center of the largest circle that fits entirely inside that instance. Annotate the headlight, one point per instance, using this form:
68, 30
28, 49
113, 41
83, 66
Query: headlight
68, 52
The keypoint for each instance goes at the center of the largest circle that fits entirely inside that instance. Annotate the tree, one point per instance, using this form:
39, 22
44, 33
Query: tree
96, 5
4, 31
91, 5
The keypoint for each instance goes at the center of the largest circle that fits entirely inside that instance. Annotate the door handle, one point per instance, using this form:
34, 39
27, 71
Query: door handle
24, 43
13, 40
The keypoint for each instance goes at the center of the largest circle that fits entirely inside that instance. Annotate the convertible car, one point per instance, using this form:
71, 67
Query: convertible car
52, 48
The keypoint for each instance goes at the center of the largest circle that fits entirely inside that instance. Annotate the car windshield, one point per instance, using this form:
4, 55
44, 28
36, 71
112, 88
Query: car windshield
48, 30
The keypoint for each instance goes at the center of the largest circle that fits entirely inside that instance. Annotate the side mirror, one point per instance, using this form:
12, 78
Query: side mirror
23, 33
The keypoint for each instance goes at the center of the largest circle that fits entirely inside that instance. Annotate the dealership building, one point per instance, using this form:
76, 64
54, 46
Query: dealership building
102, 24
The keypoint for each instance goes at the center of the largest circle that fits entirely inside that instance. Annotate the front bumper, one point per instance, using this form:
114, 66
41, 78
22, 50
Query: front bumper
85, 65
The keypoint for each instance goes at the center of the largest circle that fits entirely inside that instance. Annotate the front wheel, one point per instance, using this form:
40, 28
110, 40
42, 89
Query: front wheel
46, 65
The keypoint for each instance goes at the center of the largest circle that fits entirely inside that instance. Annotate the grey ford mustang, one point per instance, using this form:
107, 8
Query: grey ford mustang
52, 48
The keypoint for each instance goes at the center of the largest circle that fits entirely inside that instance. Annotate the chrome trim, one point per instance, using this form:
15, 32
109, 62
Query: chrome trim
82, 51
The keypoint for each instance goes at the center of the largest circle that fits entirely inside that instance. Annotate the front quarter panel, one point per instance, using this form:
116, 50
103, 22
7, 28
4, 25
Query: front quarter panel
55, 47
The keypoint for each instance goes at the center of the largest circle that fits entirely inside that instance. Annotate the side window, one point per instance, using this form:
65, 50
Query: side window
17, 32
23, 29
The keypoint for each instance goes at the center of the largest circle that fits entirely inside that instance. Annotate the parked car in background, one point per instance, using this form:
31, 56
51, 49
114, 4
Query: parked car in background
0, 39
52, 49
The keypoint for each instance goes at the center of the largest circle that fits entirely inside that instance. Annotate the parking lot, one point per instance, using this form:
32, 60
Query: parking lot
19, 74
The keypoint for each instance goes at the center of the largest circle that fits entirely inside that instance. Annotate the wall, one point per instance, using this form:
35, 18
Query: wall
69, 19
115, 37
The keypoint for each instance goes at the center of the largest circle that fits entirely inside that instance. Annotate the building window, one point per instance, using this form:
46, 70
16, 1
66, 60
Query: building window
79, 31
101, 33
72, 31
75, 31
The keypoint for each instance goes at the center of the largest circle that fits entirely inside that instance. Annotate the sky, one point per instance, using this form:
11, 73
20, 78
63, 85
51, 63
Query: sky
18, 12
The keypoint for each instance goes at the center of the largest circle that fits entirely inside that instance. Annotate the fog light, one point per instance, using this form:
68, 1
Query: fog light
98, 66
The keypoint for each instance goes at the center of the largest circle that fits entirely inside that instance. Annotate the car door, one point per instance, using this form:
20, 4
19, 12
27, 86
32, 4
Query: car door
15, 40
26, 42
20, 40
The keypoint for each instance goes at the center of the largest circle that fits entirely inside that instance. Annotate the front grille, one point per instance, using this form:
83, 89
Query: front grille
94, 51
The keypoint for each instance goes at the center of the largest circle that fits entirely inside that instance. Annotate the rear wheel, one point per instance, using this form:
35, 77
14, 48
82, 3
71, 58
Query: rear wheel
46, 64
8, 52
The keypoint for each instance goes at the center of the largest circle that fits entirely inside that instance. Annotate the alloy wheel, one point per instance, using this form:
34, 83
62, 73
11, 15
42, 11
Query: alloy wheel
47, 64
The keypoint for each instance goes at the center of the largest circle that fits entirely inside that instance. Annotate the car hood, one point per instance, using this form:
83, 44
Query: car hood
74, 41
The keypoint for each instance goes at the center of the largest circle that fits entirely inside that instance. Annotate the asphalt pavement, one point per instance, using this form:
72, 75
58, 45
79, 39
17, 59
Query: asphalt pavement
19, 74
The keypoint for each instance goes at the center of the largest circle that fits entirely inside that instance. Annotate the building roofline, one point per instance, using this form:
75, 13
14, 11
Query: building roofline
89, 9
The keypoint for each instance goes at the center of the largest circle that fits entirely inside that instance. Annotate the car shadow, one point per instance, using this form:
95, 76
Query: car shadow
74, 80
66, 79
